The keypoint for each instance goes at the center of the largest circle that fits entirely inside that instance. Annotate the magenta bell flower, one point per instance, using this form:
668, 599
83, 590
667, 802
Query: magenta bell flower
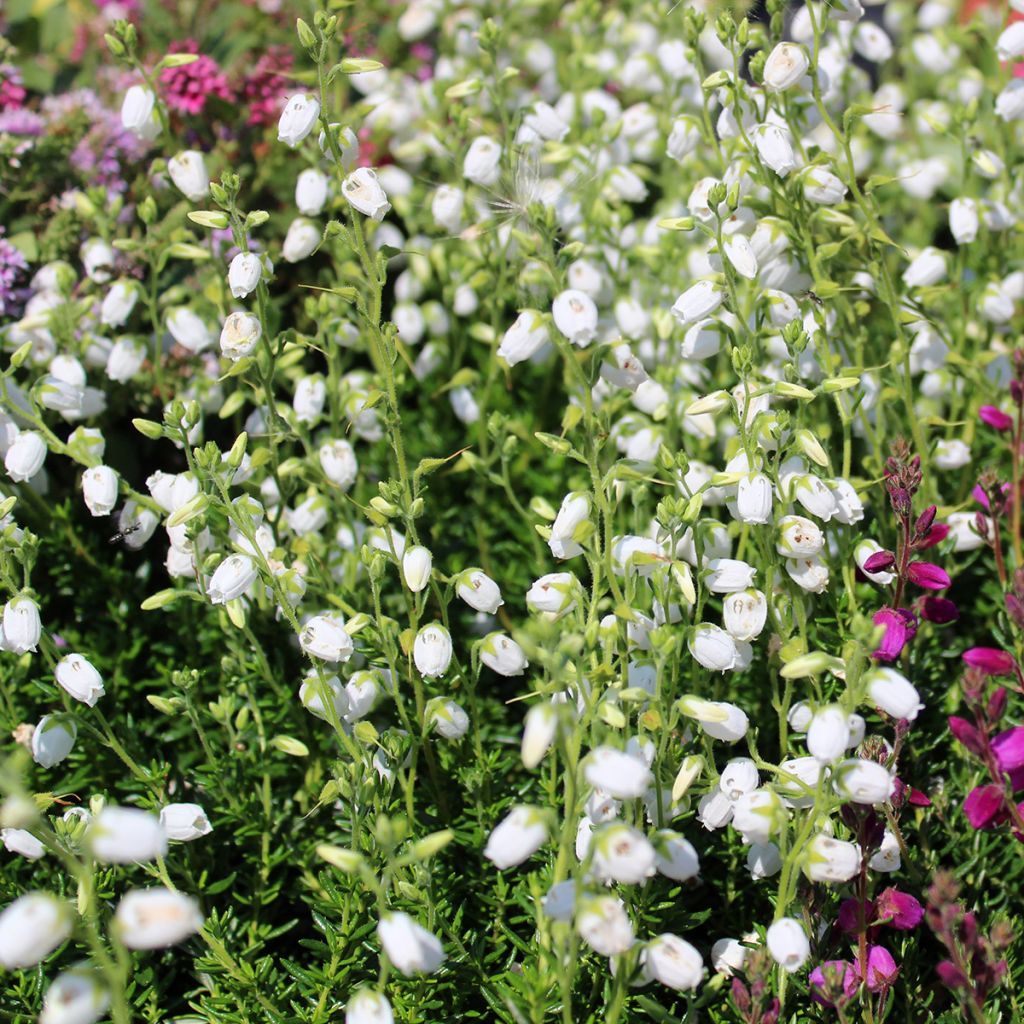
991, 661
882, 969
995, 418
928, 576
898, 910
984, 806
833, 981
939, 610
900, 627
879, 561
1009, 749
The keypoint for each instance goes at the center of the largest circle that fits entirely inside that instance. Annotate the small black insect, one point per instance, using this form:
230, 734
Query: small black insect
814, 297
126, 532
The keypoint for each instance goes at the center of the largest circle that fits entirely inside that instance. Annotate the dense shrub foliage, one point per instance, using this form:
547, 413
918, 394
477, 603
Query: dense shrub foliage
511, 512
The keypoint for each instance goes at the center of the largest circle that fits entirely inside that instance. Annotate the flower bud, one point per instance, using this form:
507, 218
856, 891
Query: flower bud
125, 359
31, 928
313, 691
417, 565
432, 651
524, 338
697, 302
713, 648
775, 148
754, 499
188, 172
727, 575
517, 837
21, 626
540, 727
118, 303
156, 918
297, 119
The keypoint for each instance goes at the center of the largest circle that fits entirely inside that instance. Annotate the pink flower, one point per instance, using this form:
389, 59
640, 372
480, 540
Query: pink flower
882, 969
898, 909
1009, 749
995, 418
939, 610
189, 87
835, 981
984, 806
991, 661
267, 86
879, 561
967, 734
936, 534
928, 576
900, 628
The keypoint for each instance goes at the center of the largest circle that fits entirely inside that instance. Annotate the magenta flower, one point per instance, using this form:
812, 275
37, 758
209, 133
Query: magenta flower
882, 969
900, 628
1009, 749
849, 920
928, 576
936, 534
990, 660
995, 418
968, 734
266, 88
939, 610
898, 910
12, 92
834, 981
879, 561
189, 87
984, 806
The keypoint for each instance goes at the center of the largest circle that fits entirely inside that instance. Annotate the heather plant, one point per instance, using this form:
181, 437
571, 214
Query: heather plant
510, 511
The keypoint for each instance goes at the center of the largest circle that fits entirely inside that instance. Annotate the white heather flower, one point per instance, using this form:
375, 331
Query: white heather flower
553, 593
98, 258
763, 860
125, 359
698, 301
232, 579
758, 815
138, 113
297, 119
365, 193
620, 775
785, 66
312, 693
863, 781
675, 856
118, 303
1010, 43
621, 854
831, 860
672, 961
188, 172
713, 647
156, 918
432, 651
799, 538
828, 734
417, 565
520, 834
684, 137
775, 148
728, 956
926, 269
503, 655
737, 250
871, 42
99, 487
480, 165
77, 676
185, 822
409, 946
324, 637
727, 575
446, 207
787, 944
448, 719
338, 462
524, 338
188, 329
31, 928
362, 690
301, 240
604, 925
53, 739
244, 274
952, 454
739, 776
893, 693
810, 574
540, 726
22, 842
21, 625
311, 191
25, 456
76, 996
754, 499
822, 186
744, 613
575, 315
478, 590
126, 835
964, 220
887, 857
963, 529
714, 810
240, 335
723, 721
369, 1007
